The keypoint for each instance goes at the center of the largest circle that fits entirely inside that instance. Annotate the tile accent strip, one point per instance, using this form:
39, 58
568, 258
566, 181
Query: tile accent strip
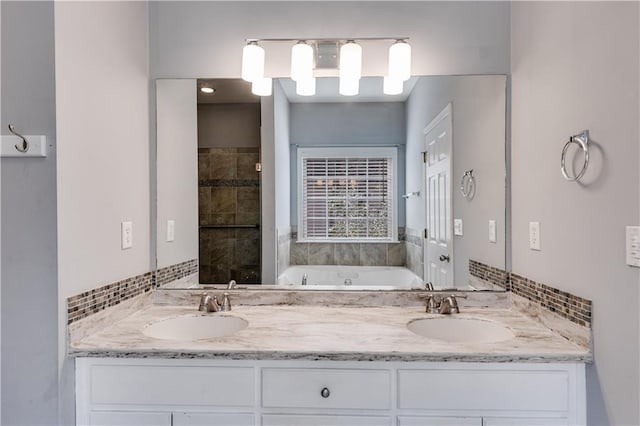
495, 276
175, 272
567, 305
92, 301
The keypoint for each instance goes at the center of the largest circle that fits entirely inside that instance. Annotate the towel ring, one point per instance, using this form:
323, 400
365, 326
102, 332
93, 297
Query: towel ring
582, 140
467, 184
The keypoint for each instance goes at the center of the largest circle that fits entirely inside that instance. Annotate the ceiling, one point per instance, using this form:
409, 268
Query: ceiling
233, 91
227, 91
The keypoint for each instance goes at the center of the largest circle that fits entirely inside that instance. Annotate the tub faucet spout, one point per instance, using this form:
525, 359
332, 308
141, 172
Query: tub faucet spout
304, 279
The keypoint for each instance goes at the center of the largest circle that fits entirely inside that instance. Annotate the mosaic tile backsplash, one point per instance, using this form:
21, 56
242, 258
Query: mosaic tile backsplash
493, 275
92, 301
175, 272
567, 305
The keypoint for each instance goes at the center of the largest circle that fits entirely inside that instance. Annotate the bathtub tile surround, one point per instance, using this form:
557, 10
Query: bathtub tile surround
489, 274
284, 249
172, 273
415, 251
348, 254
84, 304
229, 194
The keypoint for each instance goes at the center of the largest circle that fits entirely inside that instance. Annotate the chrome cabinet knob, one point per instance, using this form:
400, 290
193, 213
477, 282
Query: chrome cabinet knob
325, 393
445, 258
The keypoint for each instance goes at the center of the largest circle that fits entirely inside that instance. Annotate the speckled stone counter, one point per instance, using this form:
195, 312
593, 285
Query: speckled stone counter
345, 333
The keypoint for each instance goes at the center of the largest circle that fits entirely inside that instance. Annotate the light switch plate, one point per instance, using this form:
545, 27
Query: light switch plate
633, 246
492, 231
127, 235
171, 230
457, 227
534, 236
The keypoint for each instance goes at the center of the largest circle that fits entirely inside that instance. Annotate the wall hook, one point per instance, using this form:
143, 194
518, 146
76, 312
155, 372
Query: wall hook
25, 142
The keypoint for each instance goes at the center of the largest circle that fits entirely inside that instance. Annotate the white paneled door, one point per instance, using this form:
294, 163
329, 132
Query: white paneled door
438, 243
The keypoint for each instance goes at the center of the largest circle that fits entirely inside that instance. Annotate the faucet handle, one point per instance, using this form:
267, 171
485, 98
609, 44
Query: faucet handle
213, 305
433, 303
226, 303
204, 301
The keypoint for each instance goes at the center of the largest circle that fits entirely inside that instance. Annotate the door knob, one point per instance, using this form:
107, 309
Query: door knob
325, 393
445, 258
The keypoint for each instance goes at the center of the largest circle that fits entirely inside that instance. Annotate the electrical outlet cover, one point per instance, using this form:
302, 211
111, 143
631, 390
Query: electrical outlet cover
534, 236
457, 227
171, 230
127, 235
492, 232
633, 246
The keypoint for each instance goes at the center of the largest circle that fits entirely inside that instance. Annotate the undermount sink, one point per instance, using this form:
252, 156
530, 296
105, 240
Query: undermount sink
194, 327
460, 330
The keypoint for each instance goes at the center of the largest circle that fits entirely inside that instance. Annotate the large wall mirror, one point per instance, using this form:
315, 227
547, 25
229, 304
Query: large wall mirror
332, 192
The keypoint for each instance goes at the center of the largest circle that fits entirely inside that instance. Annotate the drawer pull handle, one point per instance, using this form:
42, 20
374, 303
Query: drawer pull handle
325, 393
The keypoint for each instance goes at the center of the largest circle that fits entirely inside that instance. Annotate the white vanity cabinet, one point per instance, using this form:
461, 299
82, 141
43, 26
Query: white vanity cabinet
181, 392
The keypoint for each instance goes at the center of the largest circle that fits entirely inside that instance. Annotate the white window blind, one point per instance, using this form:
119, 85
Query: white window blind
347, 194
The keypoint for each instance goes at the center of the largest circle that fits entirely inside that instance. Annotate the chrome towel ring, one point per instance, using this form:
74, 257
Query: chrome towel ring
467, 184
582, 140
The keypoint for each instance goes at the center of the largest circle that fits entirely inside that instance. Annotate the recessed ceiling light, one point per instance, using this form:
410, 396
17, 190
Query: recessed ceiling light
206, 89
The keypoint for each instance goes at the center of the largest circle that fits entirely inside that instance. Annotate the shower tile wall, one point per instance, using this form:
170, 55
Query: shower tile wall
229, 194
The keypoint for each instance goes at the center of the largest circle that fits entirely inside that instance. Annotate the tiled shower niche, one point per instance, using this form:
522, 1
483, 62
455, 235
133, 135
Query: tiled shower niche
229, 215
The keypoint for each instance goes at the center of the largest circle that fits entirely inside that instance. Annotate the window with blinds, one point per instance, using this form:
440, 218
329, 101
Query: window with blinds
346, 194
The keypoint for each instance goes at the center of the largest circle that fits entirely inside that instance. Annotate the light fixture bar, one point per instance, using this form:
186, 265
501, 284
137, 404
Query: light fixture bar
335, 39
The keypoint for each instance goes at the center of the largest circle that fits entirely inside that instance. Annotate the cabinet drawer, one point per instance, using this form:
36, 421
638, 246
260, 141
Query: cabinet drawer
172, 385
439, 421
490, 389
209, 419
124, 418
302, 388
319, 420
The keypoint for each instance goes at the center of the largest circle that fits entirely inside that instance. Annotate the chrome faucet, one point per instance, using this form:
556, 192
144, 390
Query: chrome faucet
304, 278
428, 286
208, 303
443, 305
231, 285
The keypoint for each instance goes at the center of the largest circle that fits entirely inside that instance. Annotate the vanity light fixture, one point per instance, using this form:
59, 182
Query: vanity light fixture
301, 61
252, 62
306, 87
350, 68
310, 56
400, 60
262, 87
392, 86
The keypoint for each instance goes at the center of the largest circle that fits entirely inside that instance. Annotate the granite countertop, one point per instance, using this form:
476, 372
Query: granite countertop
330, 333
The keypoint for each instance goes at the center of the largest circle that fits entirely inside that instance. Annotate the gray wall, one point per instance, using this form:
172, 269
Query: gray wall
103, 176
29, 264
227, 125
575, 67
177, 170
282, 136
347, 124
205, 39
478, 111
